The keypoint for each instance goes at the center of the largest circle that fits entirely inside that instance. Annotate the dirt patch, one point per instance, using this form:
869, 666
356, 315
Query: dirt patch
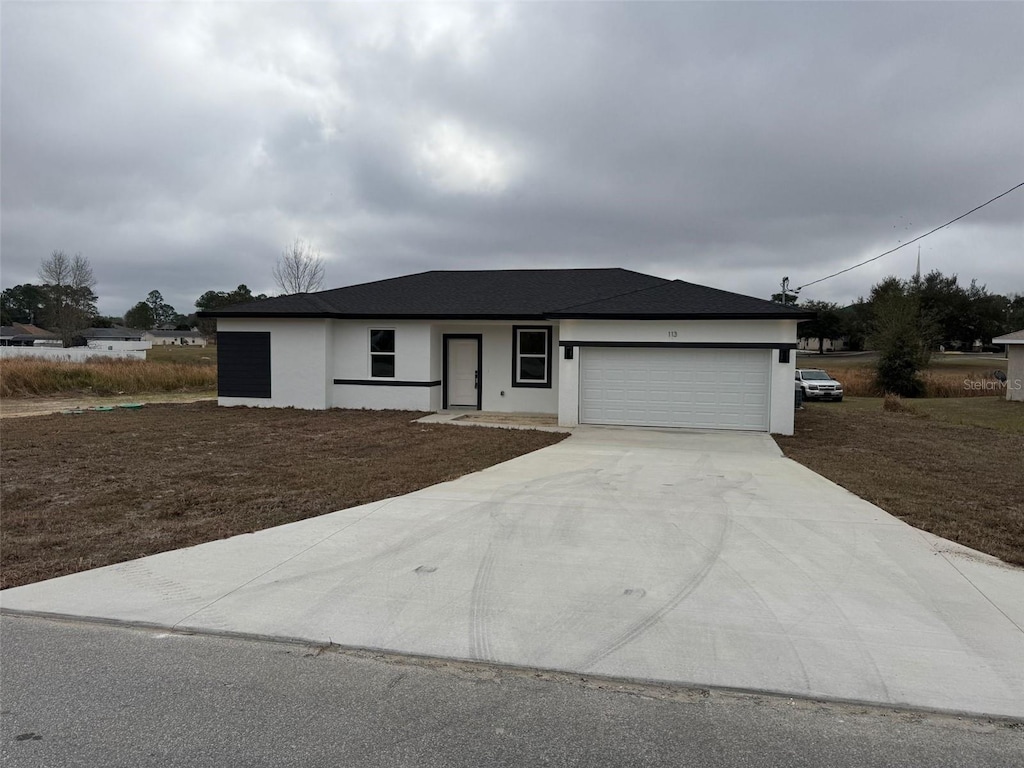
961, 482
13, 408
519, 419
98, 488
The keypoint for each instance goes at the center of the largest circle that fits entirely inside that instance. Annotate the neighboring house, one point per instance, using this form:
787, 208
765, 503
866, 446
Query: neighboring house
116, 333
24, 335
1014, 363
174, 338
831, 345
594, 346
113, 339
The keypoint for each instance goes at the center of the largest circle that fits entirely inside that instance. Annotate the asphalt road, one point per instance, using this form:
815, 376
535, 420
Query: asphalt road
86, 695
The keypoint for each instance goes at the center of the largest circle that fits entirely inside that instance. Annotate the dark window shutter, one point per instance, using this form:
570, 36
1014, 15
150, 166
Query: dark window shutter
243, 364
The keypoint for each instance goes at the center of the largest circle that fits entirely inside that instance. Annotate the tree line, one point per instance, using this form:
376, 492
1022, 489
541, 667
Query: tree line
951, 315
65, 299
905, 321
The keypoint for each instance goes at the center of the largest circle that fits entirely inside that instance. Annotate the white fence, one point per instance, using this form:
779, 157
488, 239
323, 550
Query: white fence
124, 346
76, 354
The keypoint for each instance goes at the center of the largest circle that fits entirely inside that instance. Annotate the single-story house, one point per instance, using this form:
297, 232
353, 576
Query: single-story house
24, 335
160, 338
1014, 363
117, 333
814, 344
594, 346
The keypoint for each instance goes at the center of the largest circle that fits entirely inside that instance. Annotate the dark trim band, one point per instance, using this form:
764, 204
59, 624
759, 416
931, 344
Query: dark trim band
683, 344
388, 383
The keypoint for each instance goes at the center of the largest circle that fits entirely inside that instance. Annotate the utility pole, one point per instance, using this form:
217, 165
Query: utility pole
786, 292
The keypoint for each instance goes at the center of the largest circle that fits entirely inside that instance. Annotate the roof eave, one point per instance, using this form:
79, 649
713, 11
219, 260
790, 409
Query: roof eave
367, 316
799, 315
682, 316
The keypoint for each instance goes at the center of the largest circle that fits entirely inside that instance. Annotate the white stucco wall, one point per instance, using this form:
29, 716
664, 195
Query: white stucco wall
781, 418
308, 355
299, 357
413, 362
683, 331
496, 377
1015, 372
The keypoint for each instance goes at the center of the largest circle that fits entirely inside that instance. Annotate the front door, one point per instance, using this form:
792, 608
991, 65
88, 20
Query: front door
463, 373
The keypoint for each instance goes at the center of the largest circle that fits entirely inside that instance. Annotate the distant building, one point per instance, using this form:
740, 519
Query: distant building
1014, 363
831, 345
116, 333
174, 338
24, 335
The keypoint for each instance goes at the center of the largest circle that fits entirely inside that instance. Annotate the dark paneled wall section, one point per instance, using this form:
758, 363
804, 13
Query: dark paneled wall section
243, 364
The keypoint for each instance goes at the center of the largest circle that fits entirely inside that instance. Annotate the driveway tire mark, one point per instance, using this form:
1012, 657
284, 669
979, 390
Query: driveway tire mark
479, 631
780, 626
508, 526
607, 478
796, 567
642, 625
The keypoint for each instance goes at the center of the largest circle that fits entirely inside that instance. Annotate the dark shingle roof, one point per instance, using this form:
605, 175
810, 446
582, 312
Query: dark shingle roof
27, 331
112, 334
162, 334
678, 299
514, 293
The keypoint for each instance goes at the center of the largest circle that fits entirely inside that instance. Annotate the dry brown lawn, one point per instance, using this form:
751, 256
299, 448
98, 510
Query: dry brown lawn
951, 467
78, 492
28, 377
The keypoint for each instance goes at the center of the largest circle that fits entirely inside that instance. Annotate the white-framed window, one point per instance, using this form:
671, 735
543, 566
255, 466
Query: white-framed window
382, 353
531, 356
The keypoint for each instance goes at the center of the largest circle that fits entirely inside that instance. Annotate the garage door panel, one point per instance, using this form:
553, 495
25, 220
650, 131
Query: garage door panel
701, 388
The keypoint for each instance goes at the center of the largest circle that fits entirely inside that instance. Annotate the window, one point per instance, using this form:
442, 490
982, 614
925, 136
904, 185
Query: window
531, 356
382, 353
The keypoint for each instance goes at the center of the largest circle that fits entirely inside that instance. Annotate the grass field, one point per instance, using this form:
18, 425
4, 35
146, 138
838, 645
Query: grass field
99, 488
939, 360
172, 354
31, 377
948, 374
951, 466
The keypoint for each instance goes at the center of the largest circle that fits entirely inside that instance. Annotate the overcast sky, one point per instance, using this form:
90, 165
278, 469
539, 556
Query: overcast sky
181, 147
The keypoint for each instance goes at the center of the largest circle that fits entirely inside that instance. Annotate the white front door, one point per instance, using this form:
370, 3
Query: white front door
463, 377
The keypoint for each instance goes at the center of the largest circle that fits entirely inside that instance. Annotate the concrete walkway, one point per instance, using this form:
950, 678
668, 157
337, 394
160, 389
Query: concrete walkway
705, 559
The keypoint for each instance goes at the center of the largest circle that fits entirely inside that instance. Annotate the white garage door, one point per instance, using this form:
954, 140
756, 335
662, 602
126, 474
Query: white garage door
702, 388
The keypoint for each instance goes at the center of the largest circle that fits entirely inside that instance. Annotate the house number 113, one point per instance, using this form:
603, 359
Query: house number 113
672, 334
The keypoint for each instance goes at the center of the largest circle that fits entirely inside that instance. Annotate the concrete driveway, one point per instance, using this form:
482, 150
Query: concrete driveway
683, 557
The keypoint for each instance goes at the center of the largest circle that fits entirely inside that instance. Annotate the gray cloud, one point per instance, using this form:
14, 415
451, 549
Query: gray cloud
181, 147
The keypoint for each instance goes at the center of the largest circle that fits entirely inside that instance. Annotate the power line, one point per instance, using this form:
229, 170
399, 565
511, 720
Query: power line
919, 237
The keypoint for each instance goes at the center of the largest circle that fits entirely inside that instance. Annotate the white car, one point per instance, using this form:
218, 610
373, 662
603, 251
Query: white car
818, 385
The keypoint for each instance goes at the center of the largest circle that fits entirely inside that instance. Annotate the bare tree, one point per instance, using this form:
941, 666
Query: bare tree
69, 282
300, 269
